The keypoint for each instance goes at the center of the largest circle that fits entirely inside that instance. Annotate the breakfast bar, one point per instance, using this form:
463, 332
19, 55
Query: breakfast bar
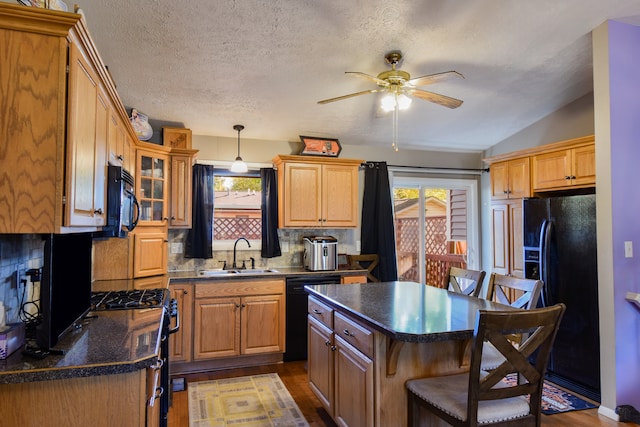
366, 341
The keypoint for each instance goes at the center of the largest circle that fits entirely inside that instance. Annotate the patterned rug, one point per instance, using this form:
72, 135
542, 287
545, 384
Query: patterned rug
257, 400
556, 400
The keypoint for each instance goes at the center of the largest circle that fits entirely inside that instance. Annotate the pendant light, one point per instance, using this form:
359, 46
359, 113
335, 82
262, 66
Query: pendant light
239, 166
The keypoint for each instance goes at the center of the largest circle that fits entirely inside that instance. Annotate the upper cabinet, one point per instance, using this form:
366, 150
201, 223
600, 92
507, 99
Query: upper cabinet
510, 179
152, 184
562, 165
567, 168
57, 103
180, 190
87, 120
317, 192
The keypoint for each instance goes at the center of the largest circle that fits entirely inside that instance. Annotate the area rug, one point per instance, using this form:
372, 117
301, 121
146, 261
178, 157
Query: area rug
556, 400
257, 400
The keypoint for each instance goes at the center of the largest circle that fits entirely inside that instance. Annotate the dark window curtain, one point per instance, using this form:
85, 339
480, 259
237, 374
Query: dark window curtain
200, 237
378, 236
270, 241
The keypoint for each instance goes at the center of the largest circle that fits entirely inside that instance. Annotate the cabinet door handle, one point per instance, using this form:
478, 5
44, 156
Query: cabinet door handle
98, 211
120, 157
505, 191
243, 305
347, 333
567, 177
185, 292
327, 343
237, 305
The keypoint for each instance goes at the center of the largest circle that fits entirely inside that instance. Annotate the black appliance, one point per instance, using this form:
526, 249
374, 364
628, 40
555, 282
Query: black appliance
65, 287
123, 209
296, 313
560, 249
147, 298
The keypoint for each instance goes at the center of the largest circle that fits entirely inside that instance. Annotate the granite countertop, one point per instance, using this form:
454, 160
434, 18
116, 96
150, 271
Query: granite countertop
107, 342
259, 272
407, 311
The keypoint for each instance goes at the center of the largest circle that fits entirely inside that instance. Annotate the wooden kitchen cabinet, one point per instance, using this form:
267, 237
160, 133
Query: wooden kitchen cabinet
100, 401
180, 342
315, 192
120, 145
152, 184
345, 280
150, 252
563, 169
238, 318
88, 112
180, 189
57, 103
507, 238
340, 367
510, 179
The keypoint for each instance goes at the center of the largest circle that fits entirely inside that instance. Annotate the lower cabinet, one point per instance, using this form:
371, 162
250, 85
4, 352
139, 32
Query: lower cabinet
340, 366
100, 401
181, 341
353, 279
228, 319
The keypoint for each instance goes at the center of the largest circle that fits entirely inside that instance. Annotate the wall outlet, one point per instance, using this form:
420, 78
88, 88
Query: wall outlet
284, 247
176, 248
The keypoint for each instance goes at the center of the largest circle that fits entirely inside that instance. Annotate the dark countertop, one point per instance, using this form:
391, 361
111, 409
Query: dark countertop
261, 272
108, 342
407, 311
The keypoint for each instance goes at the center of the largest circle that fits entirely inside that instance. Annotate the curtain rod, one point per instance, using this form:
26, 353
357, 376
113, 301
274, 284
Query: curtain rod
396, 168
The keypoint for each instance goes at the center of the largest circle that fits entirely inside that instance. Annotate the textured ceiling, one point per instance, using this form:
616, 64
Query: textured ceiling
207, 65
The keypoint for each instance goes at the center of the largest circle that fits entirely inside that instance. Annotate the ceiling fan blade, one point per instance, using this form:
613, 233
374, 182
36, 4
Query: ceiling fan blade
368, 77
433, 78
351, 95
437, 98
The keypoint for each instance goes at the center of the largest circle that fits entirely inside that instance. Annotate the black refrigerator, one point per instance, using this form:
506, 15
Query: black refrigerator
560, 249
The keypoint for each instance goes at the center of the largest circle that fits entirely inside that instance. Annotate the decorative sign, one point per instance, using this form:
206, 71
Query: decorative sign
314, 146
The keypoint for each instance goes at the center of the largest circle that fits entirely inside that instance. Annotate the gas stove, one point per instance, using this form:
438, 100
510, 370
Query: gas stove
123, 300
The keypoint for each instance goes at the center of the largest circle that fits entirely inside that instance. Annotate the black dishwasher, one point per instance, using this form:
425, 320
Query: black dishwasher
296, 320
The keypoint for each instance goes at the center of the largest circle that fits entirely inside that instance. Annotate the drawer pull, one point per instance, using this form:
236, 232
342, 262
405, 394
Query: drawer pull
347, 333
327, 343
316, 311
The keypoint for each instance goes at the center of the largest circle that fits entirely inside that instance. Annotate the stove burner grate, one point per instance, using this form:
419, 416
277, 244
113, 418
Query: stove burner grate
122, 300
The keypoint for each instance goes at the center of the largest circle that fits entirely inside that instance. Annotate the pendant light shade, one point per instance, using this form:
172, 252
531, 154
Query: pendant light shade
239, 166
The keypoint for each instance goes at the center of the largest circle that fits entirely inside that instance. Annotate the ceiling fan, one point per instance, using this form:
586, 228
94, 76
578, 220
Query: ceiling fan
397, 83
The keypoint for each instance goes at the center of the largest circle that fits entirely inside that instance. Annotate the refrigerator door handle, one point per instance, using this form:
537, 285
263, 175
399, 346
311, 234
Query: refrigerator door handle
545, 259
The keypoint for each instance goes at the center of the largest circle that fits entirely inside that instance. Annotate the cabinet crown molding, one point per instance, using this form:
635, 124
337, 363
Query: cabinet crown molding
575, 142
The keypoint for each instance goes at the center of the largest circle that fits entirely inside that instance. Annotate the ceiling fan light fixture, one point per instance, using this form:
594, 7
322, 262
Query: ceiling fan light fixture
239, 166
389, 101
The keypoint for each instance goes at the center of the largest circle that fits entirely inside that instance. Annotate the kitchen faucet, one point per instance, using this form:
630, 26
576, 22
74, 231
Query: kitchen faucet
234, 250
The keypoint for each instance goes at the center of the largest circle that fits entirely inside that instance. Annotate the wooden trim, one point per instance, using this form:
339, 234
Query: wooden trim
279, 159
569, 143
36, 20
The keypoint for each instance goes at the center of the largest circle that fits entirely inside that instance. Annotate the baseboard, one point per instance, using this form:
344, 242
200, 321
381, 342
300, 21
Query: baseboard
609, 413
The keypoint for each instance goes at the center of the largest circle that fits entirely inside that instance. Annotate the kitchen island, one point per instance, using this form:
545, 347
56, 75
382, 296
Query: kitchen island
366, 341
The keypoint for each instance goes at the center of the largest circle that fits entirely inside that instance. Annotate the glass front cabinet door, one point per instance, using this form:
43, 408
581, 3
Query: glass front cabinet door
152, 186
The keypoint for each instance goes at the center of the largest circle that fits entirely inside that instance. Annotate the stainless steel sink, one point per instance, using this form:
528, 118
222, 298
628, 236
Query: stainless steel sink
255, 271
218, 272
213, 272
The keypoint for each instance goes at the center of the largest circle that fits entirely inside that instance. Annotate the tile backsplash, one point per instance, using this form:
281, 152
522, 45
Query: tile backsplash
18, 252
291, 245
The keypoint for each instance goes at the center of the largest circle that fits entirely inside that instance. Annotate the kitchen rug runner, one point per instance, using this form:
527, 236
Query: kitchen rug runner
556, 400
256, 401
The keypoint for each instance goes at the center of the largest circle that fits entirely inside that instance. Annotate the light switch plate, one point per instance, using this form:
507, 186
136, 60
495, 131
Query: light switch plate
628, 249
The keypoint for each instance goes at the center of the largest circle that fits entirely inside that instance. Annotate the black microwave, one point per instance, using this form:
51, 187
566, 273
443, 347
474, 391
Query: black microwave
123, 209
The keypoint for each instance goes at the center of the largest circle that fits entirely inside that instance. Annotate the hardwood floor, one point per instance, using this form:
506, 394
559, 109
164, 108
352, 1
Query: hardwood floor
294, 376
